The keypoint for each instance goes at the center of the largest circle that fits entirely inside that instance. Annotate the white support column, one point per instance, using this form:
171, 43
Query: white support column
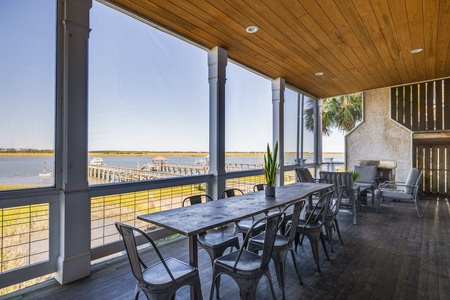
74, 261
217, 63
278, 87
318, 131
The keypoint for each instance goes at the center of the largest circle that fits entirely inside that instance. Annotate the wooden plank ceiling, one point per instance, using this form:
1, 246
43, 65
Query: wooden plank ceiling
359, 45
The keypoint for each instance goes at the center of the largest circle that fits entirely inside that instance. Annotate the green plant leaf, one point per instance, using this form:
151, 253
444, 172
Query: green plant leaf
270, 164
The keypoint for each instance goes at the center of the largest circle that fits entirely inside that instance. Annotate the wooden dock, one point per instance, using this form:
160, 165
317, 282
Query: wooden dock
154, 171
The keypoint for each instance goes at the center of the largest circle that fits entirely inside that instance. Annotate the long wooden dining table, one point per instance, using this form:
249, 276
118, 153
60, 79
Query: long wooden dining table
191, 220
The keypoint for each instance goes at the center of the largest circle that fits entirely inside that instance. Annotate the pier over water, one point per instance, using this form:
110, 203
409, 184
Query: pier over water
154, 171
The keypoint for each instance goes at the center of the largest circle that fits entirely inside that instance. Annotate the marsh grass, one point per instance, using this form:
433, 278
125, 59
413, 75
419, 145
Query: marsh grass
24, 230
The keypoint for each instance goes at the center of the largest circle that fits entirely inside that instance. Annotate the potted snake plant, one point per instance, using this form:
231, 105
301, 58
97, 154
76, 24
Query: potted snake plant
270, 169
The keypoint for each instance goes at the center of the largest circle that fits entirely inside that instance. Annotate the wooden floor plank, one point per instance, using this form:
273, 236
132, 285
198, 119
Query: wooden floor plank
389, 255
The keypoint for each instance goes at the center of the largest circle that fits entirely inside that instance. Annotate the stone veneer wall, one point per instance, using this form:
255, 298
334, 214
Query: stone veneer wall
378, 137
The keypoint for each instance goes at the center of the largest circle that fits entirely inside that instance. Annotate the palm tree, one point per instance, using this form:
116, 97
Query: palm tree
342, 112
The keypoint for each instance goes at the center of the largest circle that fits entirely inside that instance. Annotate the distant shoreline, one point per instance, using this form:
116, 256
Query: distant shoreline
199, 154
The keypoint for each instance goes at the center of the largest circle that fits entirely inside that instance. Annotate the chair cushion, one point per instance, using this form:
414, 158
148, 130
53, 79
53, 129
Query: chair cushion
367, 174
411, 180
395, 194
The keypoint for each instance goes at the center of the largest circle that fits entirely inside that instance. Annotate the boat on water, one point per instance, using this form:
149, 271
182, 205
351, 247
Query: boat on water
45, 174
202, 161
96, 161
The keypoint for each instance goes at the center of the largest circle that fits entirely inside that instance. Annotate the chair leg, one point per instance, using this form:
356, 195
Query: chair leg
198, 289
137, 289
215, 254
322, 238
271, 285
417, 207
329, 231
378, 204
315, 251
297, 270
279, 258
336, 225
247, 288
298, 240
215, 277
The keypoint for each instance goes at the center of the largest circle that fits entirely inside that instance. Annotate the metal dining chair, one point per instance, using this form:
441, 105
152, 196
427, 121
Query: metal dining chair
259, 187
246, 267
331, 220
283, 244
214, 243
231, 192
161, 280
311, 226
243, 226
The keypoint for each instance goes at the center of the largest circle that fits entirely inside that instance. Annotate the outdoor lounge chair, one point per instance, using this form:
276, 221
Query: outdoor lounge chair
368, 179
401, 194
304, 175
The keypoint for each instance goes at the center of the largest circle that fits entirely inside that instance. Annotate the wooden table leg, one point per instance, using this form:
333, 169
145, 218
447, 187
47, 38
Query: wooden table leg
193, 258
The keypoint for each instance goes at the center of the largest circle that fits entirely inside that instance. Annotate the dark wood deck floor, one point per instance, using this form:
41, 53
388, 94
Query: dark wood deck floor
390, 255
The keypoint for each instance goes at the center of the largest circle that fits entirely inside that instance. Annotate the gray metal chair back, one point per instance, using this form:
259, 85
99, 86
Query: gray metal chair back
149, 278
196, 199
312, 226
320, 210
247, 267
298, 207
272, 224
228, 193
304, 175
340, 178
259, 187
337, 197
243, 226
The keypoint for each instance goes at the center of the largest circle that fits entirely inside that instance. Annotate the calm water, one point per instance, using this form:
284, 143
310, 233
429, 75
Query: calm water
25, 170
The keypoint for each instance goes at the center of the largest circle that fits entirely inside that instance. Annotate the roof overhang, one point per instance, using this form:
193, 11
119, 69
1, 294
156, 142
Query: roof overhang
357, 45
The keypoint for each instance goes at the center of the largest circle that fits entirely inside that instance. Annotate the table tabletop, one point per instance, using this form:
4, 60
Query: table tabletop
191, 220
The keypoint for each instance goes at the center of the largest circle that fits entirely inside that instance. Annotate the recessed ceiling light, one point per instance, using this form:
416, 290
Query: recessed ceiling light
252, 29
319, 74
417, 50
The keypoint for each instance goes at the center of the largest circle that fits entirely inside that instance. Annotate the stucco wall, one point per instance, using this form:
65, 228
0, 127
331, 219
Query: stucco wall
378, 137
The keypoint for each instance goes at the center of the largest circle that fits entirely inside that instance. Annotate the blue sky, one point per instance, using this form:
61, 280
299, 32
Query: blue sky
147, 90
27, 74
